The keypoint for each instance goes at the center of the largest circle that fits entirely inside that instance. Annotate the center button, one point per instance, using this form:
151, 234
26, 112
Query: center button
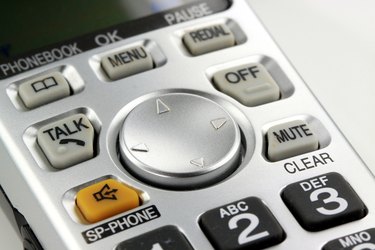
180, 141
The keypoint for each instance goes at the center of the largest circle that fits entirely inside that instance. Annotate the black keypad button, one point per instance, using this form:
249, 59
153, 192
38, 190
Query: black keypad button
243, 224
363, 240
323, 201
164, 238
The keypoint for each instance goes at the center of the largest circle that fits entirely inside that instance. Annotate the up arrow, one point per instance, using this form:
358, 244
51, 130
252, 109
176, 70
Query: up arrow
140, 148
198, 162
161, 107
218, 123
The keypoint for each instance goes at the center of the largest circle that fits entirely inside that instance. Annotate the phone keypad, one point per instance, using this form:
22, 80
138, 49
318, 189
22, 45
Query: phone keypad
67, 141
323, 202
243, 224
212, 146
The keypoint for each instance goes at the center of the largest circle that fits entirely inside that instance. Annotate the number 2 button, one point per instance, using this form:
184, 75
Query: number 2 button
244, 224
322, 202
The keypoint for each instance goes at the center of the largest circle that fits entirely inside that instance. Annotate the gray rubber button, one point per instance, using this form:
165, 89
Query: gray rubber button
290, 139
127, 62
43, 89
68, 141
250, 84
207, 39
180, 141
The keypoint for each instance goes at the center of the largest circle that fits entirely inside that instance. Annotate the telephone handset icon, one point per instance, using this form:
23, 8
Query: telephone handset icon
76, 141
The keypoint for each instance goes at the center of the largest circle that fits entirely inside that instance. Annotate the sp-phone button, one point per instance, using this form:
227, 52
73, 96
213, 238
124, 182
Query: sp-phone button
105, 199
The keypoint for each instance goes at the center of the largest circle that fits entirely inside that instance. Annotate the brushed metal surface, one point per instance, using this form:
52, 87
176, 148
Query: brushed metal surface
39, 192
180, 140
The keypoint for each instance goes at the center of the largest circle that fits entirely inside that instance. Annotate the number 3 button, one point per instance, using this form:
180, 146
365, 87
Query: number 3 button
244, 224
322, 202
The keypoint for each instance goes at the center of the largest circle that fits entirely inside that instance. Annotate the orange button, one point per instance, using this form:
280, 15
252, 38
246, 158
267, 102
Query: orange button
105, 199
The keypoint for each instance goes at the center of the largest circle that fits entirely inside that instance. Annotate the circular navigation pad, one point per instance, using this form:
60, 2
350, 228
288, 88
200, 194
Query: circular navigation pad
180, 141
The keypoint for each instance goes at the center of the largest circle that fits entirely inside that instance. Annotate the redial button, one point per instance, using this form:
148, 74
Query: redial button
209, 38
67, 141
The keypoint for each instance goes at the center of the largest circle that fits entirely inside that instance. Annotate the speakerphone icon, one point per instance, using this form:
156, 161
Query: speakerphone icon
106, 198
106, 193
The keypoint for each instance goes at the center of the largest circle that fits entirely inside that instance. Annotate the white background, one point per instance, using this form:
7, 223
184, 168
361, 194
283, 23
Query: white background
331, 43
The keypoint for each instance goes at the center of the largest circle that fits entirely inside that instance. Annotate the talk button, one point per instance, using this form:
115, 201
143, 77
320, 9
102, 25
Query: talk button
105, 199
68, 141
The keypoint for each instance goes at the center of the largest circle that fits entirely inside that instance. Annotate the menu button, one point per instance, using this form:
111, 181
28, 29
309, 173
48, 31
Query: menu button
127, 62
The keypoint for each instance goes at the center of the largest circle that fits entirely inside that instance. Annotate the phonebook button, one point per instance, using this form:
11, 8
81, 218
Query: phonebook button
67, 141
43, 89
105, 199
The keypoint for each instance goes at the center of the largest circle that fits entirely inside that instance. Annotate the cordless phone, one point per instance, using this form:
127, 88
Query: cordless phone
158, 125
